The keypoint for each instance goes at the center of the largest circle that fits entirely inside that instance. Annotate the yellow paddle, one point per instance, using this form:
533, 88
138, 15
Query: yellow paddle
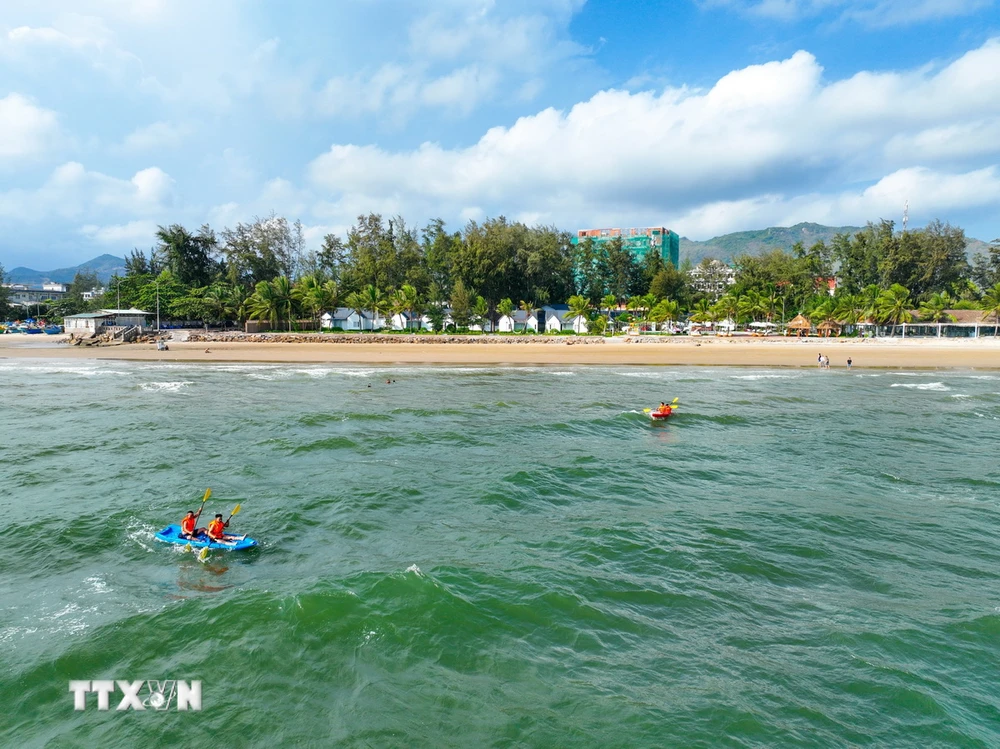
208, 493
203, 554
672, 406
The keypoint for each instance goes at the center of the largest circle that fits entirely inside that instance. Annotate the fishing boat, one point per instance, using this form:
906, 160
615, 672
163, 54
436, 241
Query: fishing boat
53, 329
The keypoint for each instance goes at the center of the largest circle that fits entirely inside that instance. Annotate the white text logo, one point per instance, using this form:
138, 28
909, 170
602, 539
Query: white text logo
138, 695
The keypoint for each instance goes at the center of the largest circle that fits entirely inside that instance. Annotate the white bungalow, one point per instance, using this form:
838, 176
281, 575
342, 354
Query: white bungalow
87, 323
406, 321
104, 321
345, 318
512, 323
558, 318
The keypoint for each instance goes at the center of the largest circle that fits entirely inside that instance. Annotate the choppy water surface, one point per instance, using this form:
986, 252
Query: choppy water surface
504, 557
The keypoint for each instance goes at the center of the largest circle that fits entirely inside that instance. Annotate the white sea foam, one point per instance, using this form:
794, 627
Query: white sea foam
938, 386
168, 387
414, 568
765, 377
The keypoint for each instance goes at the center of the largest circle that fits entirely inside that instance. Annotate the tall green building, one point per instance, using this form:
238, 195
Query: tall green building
639, 241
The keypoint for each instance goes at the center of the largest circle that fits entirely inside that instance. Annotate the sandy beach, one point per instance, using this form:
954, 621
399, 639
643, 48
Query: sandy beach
923, 353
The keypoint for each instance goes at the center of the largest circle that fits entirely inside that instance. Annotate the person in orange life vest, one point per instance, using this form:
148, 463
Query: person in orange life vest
216, 530
664, 409
189, 525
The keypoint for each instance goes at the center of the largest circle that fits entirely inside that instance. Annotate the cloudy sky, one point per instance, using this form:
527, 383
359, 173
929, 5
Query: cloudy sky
707, 116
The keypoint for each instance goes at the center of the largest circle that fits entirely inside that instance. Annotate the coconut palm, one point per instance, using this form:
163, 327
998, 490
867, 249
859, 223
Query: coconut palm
316, 295
481, 313
406, 300
728, 307
991, 306
934, 309
610, 302
356, 302
266, 303
702, 311
894, 305
527, 308
665, 311
374, 301
579, 306
506, 309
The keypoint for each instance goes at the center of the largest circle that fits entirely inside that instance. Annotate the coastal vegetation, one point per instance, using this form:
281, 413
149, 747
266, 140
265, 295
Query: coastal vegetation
262, 270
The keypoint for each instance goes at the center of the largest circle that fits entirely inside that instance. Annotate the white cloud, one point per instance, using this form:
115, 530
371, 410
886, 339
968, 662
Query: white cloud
72, 192
759, 135
26, 130
156, 136
871, 13
134, 233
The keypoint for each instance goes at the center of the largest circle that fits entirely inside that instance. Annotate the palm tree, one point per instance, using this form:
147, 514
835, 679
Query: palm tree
991, 306
527, 308
315, 295
283, 293
579, 306
665, 311
728, 307
894, 305
374, 301
505, 308
356, 302
407, 300
934, 309
702, 311
610, 302
265, 303
481, 313
216, 300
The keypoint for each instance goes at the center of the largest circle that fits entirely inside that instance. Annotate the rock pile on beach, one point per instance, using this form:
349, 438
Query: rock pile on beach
380, 338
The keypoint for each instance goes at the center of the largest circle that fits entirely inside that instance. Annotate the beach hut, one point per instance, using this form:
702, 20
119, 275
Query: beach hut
800, 324
827, 327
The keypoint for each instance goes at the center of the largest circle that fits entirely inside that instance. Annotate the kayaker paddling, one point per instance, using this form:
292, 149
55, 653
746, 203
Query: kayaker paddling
189, 525
216, 531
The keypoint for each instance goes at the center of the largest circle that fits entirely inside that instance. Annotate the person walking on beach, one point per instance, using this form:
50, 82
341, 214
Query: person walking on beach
819, 361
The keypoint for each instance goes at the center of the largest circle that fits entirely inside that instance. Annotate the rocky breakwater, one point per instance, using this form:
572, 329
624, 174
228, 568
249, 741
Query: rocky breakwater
380, 338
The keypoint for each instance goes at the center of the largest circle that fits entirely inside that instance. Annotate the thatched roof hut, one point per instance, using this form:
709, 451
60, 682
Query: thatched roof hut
799, 324
827, 327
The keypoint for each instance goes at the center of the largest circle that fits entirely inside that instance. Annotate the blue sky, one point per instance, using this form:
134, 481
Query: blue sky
707, 116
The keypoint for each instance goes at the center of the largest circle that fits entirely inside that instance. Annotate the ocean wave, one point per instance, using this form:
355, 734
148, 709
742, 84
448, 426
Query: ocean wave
937, 386
765, 377
161, 387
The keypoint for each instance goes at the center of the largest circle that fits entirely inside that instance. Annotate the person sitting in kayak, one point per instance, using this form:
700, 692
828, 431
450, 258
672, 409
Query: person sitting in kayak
664, 409
189, 525
216, 531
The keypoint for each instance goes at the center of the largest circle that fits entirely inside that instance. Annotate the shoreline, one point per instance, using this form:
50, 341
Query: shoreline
929, 354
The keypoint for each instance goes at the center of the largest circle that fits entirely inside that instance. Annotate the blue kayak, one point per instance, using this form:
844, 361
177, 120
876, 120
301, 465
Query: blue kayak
172, 535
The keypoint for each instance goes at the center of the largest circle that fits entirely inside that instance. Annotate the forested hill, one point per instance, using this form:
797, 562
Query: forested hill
754, 242
727, 246
104, 266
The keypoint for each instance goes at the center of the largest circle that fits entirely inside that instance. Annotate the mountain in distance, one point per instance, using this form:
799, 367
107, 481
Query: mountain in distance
728, 246
104, 266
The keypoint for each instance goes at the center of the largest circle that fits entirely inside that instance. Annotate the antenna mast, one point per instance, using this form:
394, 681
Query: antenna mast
906, 215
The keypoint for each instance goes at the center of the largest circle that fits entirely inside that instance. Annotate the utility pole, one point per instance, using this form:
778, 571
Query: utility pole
157, 306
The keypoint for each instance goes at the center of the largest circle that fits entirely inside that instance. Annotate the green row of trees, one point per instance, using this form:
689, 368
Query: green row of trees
262, 270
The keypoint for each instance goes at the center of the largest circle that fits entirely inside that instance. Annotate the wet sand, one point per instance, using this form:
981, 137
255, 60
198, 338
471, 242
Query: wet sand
983, 353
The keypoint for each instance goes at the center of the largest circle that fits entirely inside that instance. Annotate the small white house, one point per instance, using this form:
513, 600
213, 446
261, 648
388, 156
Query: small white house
513, 323
345, 318
87, 323
406, 321
557, 320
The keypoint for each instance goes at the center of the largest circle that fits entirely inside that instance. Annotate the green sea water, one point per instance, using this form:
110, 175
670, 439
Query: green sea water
504, 557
